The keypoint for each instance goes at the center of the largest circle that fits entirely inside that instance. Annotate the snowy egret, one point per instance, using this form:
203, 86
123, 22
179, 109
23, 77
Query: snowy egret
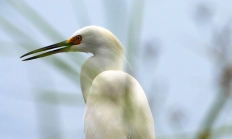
116, 105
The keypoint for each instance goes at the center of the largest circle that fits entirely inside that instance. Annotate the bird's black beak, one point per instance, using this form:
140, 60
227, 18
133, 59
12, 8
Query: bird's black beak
63, 46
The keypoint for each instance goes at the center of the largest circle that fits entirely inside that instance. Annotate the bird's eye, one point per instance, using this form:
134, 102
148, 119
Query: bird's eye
75, 40
79, 37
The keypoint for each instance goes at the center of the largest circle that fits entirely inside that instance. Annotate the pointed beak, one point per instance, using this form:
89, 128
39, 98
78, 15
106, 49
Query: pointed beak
63, 46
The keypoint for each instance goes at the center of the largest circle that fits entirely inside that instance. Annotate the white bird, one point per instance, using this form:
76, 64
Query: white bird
116, 105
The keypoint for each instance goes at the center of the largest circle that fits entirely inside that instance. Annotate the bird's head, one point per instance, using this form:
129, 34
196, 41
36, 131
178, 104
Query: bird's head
92, 39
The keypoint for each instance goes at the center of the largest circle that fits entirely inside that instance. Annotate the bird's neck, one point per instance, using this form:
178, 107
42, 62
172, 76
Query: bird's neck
97, 64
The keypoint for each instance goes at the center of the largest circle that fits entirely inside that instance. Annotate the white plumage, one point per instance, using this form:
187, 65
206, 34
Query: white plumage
116, 105
117, 108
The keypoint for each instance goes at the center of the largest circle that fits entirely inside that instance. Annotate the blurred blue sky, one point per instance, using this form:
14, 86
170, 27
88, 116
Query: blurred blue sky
180, 70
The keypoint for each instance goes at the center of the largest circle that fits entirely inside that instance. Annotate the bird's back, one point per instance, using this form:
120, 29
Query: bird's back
117, 108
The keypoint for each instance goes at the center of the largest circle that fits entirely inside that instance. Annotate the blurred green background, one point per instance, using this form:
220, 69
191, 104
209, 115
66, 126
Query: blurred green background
179, 51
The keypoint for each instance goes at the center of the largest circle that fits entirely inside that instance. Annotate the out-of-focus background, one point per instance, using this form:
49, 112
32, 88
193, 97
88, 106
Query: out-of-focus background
179, 51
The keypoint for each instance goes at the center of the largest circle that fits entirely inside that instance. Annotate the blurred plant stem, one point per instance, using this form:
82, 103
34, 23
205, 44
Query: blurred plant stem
19, 36
34, 17
46, 102
211, 116
219, 102
222, 46
221, 54
134, 32
217, 131
60, 98
43, 26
